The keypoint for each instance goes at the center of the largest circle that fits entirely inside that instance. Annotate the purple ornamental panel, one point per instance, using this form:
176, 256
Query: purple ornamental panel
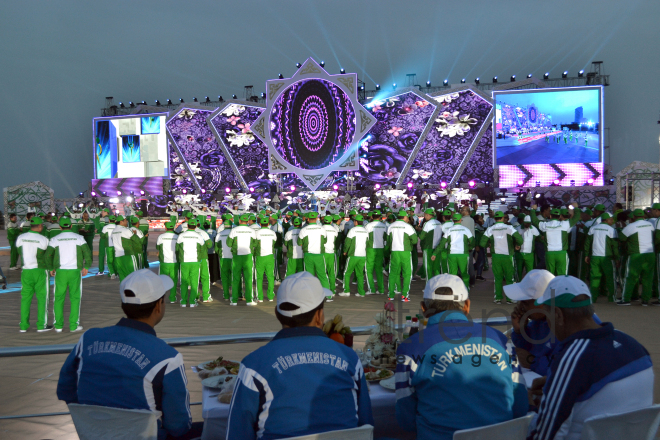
480, 166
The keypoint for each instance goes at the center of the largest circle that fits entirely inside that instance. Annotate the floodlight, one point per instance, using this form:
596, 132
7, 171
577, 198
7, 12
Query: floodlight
157, 102
195, 99
251, 189
207, 99
220, 98
141, 192
131, 103
118, 192
129, 199
565, 74
443, 184
410, 185
471, 183
513, 78
233, 96
494, 80
529, 76
581, 73
169, 102
203, 191
227, 190
121, 104
556, 182
335, 187
298, 65
463, 81
546, 75
393, 86
428, 83
93, 193
590, 181
377, 186
322, 64
476, 81
181, 100
521, 183
293, 187
342, 71
377, 86
280, 76
445, 82
81, 194
184, 191
263, 95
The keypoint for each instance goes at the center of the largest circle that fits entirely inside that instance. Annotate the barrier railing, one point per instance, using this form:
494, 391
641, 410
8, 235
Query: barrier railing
191, 341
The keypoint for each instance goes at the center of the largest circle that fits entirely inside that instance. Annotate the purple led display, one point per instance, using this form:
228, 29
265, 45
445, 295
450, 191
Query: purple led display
312, 124
546, 174
480, 166
151, 185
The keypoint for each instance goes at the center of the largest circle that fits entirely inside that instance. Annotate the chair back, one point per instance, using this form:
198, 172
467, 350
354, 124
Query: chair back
641, 424
364, 432
104, 423
515, 429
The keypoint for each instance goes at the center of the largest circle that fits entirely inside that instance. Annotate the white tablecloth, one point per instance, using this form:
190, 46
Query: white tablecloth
215, 414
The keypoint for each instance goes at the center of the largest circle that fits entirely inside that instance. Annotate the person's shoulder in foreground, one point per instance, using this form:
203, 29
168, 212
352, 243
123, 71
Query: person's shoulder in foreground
455, 374
127, 365
597, 370
302, 382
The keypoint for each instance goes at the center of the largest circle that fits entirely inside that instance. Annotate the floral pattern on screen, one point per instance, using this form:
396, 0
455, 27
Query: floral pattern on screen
461, 117
195, 141
387, 148
480, 166
246, 150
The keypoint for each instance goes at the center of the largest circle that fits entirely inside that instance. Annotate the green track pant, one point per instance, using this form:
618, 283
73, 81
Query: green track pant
172, 271
415, 259
400, 266
71, 279
331, 266
34, 282
375, 264
355, 265
294, 265
524, 262
226, 276
265, 265
103, 245
89, 239
145, 262
13, 254
443, 262
126, 265
110, 256
315, 264
502, 271
459, 263
430, 267
557, 262
639, 265
602, 267
189, 278
242, 265
279, 259
205, 279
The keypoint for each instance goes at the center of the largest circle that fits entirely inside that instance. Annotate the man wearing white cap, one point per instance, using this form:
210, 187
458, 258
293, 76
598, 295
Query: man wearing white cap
602, 254
127, 366
464, 362
278, 392
595, 371
525, 257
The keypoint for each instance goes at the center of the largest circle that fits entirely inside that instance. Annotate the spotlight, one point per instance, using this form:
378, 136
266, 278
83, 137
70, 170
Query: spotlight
207, 99
220, 98
203, 191
169, 102
494, 80
443, 184
538, 196
105, 194
565, 74
546, 75
410, 185
342, 71
445, 82
80, 205
298, 65
195, 99
93, 193
141, 192
322, 64
118, 192
157, 102
131, 104
377, 86
263, 95
181, 100
463, 81
293, 187
101, 203
556, 182
184, 191
361, 87
521, 183
476, 81
144, 103
428, 83
251, 189
471, 183
233, 96
529, 76
121, 104
81, 194
581, 73
513, 78
335, 187
280, 76
590, 181
538, 183
503, 200
377, 186
129, 199
132, 193
227, 190
393, 86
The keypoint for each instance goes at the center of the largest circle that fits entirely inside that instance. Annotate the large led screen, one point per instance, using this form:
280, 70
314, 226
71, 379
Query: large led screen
549, 126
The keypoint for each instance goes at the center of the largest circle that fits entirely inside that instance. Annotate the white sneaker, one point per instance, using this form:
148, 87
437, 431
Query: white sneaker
13, 268
193, 305
183, 305
371, 293
77, 329
22, 331
354, 283
344, 294
359, 296
172, 302
233, 303
113, 277
328, 299
278, 282
252, 303
270, 300
208, 300
386, 273
58, 330
260, 300
378, 293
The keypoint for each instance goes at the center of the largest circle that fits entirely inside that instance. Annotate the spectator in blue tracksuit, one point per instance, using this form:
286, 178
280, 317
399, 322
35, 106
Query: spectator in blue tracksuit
596, 370
301, 382
536, 347
127, 366
455, 374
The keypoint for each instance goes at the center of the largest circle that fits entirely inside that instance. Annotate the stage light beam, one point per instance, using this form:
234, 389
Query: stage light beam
581, 73
377, 86
322, 64
445, 82
342, 71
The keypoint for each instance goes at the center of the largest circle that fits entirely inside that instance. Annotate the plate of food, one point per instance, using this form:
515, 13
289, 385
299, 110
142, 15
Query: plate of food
218, 382
218, 367
376, 375
389, 384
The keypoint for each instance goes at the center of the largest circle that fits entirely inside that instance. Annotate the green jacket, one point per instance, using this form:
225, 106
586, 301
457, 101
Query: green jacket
54, 254
513, 238
13, 231
86, 228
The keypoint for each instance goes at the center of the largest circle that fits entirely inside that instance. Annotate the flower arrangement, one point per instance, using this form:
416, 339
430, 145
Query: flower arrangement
383, 339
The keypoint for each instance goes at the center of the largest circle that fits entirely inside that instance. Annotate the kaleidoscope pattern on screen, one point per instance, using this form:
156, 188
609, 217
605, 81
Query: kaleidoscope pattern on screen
312, 124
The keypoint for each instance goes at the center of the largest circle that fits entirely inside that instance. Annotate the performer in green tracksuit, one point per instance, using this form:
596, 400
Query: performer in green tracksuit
242, 241
638, 237
401, 238
144, 228
68, 257
429, 239
502, 239
556, 234
225, 255
355, 249
459, 242
277, 228
32, 248
106, 236
134, 223
127, 248
204, 272
375, 253
312, 239
189, 249
602, 253
166, 246
100, 222
294, 261
264, 259
13, 231
331, 238
524, 258
87, 228
443, 255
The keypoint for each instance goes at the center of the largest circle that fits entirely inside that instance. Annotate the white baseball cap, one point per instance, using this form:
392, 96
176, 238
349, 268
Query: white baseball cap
303, 290
527, 219
565, 288
146, 286
456, 284
531, 287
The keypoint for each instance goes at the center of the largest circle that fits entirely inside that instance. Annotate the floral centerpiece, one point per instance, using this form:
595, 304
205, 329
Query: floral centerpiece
383, 339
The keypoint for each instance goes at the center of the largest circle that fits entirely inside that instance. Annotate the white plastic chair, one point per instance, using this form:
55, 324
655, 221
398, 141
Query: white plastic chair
641, 424
515, 429
104, 423
364, 432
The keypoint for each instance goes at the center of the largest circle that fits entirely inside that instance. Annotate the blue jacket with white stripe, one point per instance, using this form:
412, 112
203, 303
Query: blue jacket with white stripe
456, 375
127, 366
300, 383
597, 371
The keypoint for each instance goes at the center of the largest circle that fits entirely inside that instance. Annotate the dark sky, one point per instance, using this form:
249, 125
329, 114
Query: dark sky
60, 59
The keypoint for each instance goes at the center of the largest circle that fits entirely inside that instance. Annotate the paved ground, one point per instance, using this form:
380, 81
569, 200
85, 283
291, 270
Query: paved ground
27, 384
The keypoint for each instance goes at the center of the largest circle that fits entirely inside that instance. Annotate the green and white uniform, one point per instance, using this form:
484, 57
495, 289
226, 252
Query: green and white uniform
106, 237
556, 236
127, 248
166, 245
87, 229
459, 242
242, 241
13, 231
331, 239
401, 239
603, 250
67, 255
100, 223
355, 247
312, 240
142, 239
294, 261
502, 239
264, 261
442, 258
376, 256
32, 248
638, 237
429, 239
204, 274
144, 228
525, 257
224, 253
189, 249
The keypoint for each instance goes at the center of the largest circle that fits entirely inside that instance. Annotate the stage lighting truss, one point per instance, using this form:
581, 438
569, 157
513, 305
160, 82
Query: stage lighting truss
312, 120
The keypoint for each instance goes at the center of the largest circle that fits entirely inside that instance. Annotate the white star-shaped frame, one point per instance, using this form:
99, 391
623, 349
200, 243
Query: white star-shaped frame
307, 136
